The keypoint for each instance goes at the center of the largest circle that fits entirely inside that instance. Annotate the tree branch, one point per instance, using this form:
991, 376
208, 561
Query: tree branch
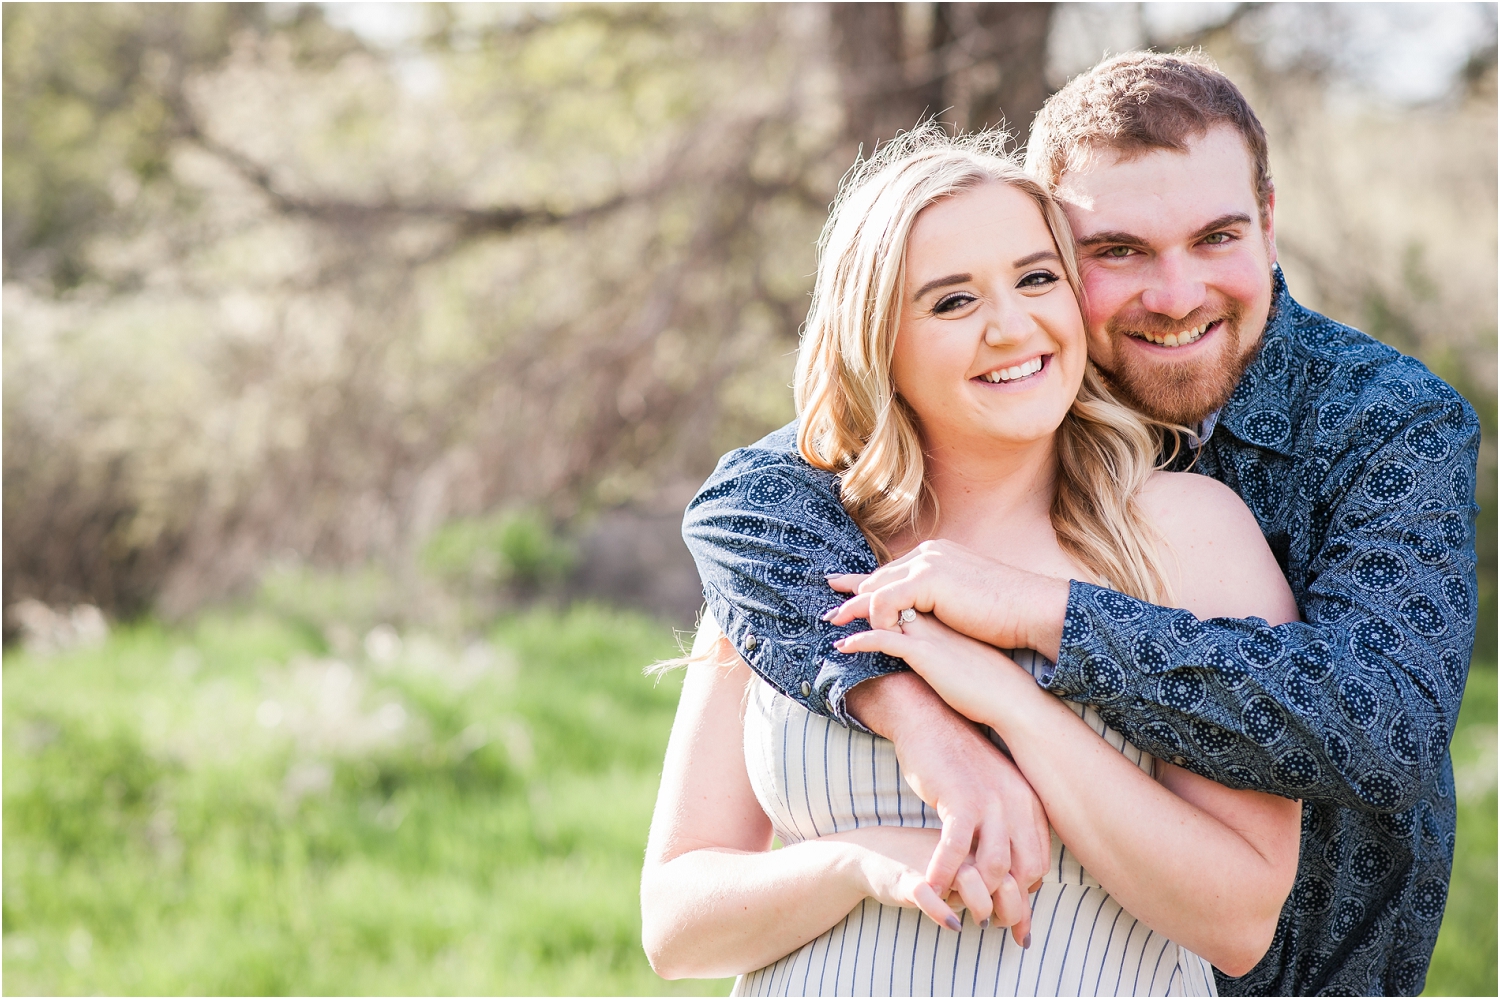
339, 211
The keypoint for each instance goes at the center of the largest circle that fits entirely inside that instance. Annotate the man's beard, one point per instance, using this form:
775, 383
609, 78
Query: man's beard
1183, 392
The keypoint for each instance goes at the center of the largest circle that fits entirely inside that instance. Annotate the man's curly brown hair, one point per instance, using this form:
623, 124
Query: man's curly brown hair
1138, 102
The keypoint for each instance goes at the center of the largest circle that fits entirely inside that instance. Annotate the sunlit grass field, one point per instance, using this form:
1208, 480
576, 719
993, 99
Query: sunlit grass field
231, 809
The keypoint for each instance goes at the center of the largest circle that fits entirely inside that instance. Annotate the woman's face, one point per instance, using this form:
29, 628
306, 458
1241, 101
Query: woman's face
991, 347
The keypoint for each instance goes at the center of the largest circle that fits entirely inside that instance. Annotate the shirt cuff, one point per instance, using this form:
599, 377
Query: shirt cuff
1065, 676
836, 680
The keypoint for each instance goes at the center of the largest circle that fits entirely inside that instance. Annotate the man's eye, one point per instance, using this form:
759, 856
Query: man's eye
1118, 252
1217, 238
949, 303
1037, 279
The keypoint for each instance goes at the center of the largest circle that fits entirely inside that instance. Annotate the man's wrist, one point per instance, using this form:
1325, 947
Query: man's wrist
888, 704
1046, 611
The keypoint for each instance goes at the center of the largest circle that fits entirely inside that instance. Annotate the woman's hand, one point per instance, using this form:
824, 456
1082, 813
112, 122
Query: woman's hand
975, 595
890, 868
966, 673
891, 865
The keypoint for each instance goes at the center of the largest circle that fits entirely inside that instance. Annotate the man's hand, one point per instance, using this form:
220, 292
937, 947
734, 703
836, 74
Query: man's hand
996, 603
991, 817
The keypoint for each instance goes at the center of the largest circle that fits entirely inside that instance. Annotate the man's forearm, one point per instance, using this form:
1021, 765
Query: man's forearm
1288, 710
1046, 613
897, 704
765, 531
985, 804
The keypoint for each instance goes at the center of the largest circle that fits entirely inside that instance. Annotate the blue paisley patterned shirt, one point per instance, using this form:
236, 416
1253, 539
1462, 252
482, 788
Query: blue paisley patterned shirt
1359, 465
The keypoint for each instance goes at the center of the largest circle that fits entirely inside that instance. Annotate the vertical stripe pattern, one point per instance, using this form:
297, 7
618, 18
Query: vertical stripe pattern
813, 777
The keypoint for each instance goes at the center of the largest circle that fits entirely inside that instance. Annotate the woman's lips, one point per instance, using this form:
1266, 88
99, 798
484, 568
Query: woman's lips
1011, 374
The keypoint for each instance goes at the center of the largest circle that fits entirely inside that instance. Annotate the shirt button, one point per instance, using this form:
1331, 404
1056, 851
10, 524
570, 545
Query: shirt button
752, 643
806, 689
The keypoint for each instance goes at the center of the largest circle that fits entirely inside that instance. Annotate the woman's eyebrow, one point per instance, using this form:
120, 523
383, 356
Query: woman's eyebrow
941, 282
1032, 258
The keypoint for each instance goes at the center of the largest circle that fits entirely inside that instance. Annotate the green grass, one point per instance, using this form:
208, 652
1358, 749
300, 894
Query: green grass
1464, 963
228, 809
423, 821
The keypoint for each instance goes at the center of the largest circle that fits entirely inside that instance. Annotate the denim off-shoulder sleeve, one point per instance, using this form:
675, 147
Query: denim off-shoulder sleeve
1356, 704
765, 530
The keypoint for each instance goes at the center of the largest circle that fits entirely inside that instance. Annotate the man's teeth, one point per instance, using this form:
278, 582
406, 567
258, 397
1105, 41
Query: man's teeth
1030, 367
1176, 339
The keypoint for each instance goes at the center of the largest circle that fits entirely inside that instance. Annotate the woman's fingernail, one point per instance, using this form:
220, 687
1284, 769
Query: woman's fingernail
957, 927
985, 923
829, 613
1026, 944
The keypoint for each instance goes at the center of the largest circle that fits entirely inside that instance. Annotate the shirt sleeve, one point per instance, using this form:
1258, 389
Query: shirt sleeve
1355, 706
765, 531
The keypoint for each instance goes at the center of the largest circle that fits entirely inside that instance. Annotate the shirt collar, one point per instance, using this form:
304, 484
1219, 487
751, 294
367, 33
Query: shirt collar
1205, 430
1262, 402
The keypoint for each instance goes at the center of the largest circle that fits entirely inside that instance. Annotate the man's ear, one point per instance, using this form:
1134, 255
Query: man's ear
1268, 225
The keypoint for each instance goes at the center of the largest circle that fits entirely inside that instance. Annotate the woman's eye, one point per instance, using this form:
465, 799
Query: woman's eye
949, 303
1037, 279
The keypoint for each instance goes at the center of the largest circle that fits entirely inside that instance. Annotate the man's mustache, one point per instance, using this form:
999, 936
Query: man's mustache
1159, 325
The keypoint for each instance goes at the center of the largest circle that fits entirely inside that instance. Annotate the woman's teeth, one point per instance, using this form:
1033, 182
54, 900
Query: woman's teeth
1030, 367
1176, 339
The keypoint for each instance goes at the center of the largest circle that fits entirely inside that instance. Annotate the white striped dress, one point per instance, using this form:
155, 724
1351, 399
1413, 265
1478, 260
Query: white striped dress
813, 777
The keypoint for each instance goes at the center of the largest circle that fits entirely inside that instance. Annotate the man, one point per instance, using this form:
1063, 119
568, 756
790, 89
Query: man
1357, 462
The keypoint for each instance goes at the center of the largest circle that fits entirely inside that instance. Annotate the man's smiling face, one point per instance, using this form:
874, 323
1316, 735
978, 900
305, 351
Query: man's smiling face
1176, 266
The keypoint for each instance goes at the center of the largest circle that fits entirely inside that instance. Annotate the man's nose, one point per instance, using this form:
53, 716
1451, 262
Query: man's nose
1173, 287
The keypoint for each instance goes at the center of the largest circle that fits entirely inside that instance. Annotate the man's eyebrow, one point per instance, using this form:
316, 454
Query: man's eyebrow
1032, 258
941, 282
1112, 236
1115, 237
1223, 222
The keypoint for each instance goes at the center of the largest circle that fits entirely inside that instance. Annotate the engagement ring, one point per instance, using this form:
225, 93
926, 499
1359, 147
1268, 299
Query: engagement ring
909, 615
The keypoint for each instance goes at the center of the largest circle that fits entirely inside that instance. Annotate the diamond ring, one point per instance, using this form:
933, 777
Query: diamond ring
908, 616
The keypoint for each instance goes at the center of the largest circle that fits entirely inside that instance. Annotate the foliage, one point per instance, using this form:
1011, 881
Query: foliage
517, 547
551, 257
1466, 958
225, 810
275, 286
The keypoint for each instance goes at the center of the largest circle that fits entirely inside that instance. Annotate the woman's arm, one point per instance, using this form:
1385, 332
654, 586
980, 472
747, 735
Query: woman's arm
1207, 866
715, 900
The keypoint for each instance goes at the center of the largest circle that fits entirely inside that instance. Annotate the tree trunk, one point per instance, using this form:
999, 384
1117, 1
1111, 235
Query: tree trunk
971, 64
885, 79
997, 63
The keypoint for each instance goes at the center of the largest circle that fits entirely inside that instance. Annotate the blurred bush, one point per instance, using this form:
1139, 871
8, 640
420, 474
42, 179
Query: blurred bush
517, 549
230, 809
297, 284
233, 808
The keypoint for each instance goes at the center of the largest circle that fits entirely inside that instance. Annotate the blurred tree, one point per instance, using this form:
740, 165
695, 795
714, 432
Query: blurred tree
973, 65
304, 281
332, 351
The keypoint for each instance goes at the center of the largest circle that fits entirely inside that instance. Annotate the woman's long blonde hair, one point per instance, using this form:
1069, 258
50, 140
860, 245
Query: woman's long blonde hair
854, 424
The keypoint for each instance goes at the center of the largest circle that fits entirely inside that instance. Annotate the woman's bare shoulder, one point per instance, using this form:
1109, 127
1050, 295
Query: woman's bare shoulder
1221, 561
1168, 498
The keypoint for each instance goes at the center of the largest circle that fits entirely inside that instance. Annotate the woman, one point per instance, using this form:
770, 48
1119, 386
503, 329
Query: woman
944, 376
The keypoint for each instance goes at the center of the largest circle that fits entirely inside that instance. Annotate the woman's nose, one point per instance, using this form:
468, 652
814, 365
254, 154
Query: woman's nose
1006, 325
